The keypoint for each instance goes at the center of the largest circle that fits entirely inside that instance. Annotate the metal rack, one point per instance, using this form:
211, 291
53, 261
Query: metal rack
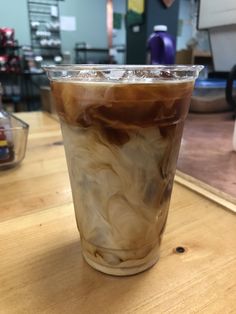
44, 23
11, 74
83, 54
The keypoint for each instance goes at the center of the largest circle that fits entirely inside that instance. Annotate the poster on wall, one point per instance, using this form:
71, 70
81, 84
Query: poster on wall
68, 23
117, 20
135, 13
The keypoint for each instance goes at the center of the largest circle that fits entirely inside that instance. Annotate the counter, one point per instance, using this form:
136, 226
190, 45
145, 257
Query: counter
41, 268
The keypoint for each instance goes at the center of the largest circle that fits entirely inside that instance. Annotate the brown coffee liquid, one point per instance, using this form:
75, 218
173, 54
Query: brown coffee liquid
117, 108
121, 142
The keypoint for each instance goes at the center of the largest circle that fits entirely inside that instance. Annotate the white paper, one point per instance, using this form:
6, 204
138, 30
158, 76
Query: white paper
112, 52
54, 11
68, 23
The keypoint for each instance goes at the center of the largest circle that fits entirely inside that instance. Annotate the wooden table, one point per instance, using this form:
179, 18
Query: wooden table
207, 155
41, 268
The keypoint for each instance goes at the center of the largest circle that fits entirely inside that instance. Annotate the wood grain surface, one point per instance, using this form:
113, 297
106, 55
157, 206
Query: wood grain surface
207, 154
41, 267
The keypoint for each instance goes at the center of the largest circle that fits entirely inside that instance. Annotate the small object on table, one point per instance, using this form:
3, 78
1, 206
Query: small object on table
13, 138
6, 147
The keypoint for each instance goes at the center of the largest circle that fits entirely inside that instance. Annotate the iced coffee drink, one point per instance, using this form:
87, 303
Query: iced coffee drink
122, 136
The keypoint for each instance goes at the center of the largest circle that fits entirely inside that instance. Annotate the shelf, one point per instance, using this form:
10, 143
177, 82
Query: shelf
48, 3
92, 49
40, 21
46, 48
81, 50
190, 56
42, 3
10, 73
40, 11
201, 54
98, 49
10, 47
49, 56
57, 31
12, 98
40, 72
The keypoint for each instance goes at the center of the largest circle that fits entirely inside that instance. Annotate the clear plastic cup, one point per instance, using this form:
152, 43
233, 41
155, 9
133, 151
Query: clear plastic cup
122, 128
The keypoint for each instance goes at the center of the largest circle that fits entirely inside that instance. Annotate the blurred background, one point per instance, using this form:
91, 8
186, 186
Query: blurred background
36, 32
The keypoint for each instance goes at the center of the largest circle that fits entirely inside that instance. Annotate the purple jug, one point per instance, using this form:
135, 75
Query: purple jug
161, 46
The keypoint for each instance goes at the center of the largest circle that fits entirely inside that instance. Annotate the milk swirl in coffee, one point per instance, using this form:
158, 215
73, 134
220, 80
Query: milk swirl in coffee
121, 141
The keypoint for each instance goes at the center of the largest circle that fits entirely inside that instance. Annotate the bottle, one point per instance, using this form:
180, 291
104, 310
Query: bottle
161, 46
6, 136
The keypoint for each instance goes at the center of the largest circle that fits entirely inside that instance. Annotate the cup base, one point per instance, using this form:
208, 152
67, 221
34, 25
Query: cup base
126, 271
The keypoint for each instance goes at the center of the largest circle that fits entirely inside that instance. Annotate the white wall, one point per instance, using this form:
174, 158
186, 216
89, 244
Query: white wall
119, 6
185, 24
188, 19
14, 14
119, 35
91, 23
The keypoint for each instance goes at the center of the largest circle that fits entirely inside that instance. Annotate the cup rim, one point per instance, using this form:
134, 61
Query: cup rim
107, 67
116, 73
